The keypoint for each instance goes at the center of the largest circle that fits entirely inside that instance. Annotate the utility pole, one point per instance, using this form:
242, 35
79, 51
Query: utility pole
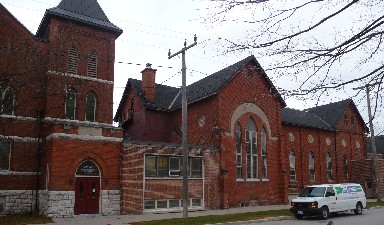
374, 152
184, 122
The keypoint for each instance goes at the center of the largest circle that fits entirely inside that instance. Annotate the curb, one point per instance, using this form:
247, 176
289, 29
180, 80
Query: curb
278, 218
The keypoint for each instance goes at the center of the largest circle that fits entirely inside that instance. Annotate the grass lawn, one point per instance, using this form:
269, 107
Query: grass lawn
24, 219
39, 219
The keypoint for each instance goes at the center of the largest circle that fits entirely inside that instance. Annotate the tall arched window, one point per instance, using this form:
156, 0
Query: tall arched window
292, 166
72, 61
239, 160
70, 105
90, 108
345, 167
311, 166
329, 166
92, 64
7, 101
251, 148
264, 154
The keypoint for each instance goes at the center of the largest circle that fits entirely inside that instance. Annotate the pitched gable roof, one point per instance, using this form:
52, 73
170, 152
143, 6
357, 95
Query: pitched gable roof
169, 98
84, 11
324, 117
303, 118
333, 113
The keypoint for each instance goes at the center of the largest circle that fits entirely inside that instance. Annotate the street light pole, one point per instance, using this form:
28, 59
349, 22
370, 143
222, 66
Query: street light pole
184, 123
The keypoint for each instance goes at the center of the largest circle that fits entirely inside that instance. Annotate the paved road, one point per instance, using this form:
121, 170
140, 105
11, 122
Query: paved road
373, 216
127, 219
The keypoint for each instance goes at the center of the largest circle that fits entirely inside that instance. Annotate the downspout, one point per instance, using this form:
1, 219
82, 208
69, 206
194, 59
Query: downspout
321, 175
301, 156
40, 116
335, 143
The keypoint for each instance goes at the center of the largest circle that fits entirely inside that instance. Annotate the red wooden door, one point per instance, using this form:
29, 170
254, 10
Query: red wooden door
87, 193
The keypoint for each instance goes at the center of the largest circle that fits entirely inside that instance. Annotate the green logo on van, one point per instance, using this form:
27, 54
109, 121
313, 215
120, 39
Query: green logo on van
348, 189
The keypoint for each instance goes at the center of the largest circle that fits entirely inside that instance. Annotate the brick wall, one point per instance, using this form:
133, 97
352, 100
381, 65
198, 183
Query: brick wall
134, 186
363, 172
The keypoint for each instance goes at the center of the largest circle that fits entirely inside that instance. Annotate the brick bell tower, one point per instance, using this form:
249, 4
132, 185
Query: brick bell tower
81, 147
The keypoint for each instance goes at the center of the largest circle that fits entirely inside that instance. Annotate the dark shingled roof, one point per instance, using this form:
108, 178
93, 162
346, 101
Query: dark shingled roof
303, 118
332, 113
169, 98
379, 141
323, 117
84, 11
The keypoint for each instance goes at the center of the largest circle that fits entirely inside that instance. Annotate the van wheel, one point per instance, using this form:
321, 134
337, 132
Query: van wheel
359, 209
298, 216
324, 213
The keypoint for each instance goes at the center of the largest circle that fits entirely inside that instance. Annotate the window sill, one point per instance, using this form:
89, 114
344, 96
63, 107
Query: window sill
172, 178
265, 180
253, 180
239, 179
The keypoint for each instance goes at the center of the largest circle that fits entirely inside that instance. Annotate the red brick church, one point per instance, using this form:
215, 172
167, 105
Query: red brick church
60, 155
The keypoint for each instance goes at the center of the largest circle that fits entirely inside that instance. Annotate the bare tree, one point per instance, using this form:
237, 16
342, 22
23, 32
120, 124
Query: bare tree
322, 45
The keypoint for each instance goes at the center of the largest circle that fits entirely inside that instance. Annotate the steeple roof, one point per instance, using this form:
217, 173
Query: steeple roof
84, 11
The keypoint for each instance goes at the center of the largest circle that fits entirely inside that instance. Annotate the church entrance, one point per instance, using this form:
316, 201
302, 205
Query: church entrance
87, 188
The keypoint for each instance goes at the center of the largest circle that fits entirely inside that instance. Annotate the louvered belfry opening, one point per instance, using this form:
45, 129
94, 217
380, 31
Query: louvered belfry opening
72, 61
92, 64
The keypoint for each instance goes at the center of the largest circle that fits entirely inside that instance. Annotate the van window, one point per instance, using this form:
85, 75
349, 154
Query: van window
330, 191
312, 192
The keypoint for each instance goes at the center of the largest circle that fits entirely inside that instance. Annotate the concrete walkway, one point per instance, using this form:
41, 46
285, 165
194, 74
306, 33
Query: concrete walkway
127, 219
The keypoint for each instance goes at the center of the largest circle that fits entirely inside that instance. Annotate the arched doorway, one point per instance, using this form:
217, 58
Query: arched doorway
87, 188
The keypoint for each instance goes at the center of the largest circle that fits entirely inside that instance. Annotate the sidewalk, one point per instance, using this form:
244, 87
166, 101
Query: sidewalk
127, 219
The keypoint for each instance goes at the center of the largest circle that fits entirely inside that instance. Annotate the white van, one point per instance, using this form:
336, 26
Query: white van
329, 198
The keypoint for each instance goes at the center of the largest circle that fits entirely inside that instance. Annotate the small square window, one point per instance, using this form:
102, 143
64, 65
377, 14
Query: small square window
174, 203
150, 204
161, 204
196, 202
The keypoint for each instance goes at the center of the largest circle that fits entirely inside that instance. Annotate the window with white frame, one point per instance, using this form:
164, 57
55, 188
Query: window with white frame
90, 108
170, 166
251, 149
345, 167
7, 100
239, 160
92, 64
329, 166
72, 61
5, 153
171, 204
70, 104
311, 166
292, 166
264, 154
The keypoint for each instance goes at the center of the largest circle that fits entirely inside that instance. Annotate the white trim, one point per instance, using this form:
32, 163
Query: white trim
4, 116
17, 173
80, 77
83, 137
20, 139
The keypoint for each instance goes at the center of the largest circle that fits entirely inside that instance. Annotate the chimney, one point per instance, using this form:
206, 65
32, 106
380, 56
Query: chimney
148, 83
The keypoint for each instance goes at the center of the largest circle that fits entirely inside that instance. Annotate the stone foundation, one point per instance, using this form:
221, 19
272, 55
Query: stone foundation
17, 201
110, 202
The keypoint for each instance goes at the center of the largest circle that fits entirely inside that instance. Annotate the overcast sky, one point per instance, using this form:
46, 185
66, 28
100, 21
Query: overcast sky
151, 27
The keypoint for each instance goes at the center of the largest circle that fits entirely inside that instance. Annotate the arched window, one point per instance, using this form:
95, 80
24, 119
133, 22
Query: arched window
92, 64
292, 166
345, 167
264, 154
251, 148
72, 61
346, 120
239, 160
90, 108
311, 166
87, 168
329, 166
7, 101
70, 105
